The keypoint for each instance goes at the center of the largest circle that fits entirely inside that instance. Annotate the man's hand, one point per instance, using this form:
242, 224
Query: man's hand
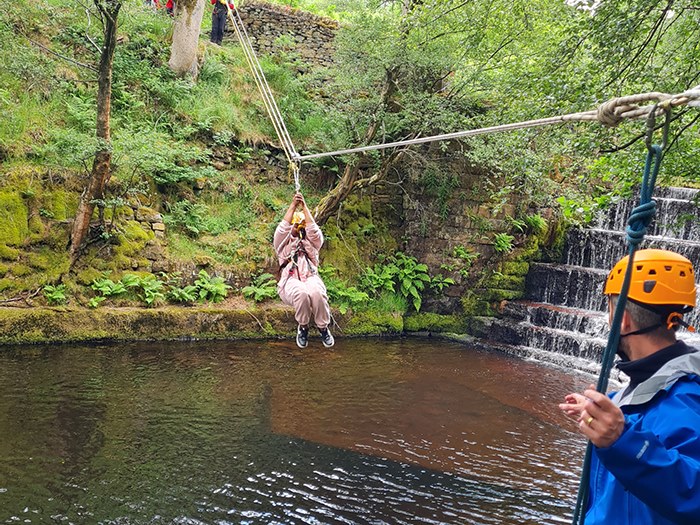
599, 419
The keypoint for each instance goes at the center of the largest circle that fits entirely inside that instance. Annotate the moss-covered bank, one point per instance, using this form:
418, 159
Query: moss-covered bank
65, 325
52, 325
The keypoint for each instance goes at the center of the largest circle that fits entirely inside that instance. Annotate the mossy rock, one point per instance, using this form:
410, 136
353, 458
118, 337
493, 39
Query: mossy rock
7, 284
519, 268
52, 263
373, 323
7, 253
57, 236
498, 295
20, 270
474, 305
87, 276
73, 324
529, 251
507, 282
36, 227
39, 261
56, 204
432, 322
13, 219
120, 262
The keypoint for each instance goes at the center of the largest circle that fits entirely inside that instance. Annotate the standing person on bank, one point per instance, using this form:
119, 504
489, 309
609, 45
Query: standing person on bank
297, 242
645, 466
218, 20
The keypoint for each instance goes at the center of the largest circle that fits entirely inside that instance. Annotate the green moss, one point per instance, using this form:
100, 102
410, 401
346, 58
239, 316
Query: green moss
515, 267
39, 261
20, 270
7, 253
507, 282
7, 284
347, 242
85, 277
56, 236
13, 219
431, 322
36, 227
134, 231
474, 304
497, 295
50, 262
56, 205
369, 322
3, 269
120, 262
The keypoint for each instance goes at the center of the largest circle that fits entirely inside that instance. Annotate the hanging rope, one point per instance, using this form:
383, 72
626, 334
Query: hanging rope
266, 94
637, 225
609, 114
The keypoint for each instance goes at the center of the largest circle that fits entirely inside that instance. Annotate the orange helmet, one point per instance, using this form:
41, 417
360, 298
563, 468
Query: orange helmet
659, 278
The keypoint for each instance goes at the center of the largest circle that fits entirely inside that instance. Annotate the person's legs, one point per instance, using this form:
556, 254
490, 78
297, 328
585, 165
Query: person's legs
319, 301
218, 22
223, 15
295, 294
214, 27
320, 309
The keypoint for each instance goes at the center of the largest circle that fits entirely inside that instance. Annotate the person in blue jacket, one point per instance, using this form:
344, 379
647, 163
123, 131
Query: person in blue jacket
645, 466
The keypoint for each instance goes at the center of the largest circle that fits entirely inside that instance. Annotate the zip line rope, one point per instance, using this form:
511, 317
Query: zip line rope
610, 114
266, 93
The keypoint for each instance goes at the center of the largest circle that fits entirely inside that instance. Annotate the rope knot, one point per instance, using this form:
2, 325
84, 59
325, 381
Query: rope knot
612, 112
639, 221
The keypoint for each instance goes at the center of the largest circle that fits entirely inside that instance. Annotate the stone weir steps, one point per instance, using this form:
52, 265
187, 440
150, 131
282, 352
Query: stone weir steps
563, 319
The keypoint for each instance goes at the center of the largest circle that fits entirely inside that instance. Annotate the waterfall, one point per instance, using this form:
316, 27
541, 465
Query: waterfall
563, 318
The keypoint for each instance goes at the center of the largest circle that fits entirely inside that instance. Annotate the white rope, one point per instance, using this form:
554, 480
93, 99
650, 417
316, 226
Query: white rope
267, 96
610, 113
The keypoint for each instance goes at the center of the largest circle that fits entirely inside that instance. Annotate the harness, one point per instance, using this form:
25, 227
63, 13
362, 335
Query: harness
293, 260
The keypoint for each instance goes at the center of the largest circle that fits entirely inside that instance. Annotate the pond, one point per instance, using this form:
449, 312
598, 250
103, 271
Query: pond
376, 431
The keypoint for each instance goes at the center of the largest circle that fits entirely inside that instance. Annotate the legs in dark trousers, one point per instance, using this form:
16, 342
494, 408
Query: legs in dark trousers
218, 24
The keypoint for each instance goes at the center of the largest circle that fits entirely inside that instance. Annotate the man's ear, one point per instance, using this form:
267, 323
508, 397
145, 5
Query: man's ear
627, 325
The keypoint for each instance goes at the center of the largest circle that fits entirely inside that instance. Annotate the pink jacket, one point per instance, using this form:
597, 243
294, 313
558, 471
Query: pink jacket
287, 246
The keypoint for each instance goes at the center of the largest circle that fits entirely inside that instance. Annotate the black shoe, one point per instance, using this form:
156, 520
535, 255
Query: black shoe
327, 338
302, 337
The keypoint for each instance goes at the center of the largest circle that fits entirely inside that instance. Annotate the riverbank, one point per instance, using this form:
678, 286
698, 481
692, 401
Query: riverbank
52, 325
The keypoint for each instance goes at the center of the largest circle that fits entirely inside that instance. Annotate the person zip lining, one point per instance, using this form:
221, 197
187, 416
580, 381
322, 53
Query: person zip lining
297, 242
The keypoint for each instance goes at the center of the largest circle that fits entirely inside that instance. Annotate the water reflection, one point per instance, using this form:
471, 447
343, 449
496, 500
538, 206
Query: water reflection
370, 432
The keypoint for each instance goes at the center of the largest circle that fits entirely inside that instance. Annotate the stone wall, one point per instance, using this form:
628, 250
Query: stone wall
273, 29
450, 223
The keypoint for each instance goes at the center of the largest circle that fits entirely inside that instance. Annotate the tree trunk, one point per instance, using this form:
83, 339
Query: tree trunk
101, 167
183, 52
329, 204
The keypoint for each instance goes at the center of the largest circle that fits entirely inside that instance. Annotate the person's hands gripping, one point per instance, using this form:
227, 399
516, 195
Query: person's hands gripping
599, 419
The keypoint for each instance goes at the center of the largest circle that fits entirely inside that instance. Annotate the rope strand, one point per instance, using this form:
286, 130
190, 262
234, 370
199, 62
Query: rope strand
264, 89
609, 114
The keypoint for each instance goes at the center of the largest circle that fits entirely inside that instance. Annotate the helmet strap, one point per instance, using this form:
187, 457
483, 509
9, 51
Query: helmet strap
644, 330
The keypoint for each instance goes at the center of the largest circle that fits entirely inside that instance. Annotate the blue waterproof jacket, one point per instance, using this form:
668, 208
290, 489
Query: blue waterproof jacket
651, 474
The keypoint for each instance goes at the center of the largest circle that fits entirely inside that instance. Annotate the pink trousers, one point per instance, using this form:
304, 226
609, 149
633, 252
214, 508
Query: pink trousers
309, 299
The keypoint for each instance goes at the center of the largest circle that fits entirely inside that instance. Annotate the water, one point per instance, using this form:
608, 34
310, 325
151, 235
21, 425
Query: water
372, 432
563, 319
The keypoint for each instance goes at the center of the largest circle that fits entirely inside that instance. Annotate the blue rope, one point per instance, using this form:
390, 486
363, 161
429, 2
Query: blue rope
637, 225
